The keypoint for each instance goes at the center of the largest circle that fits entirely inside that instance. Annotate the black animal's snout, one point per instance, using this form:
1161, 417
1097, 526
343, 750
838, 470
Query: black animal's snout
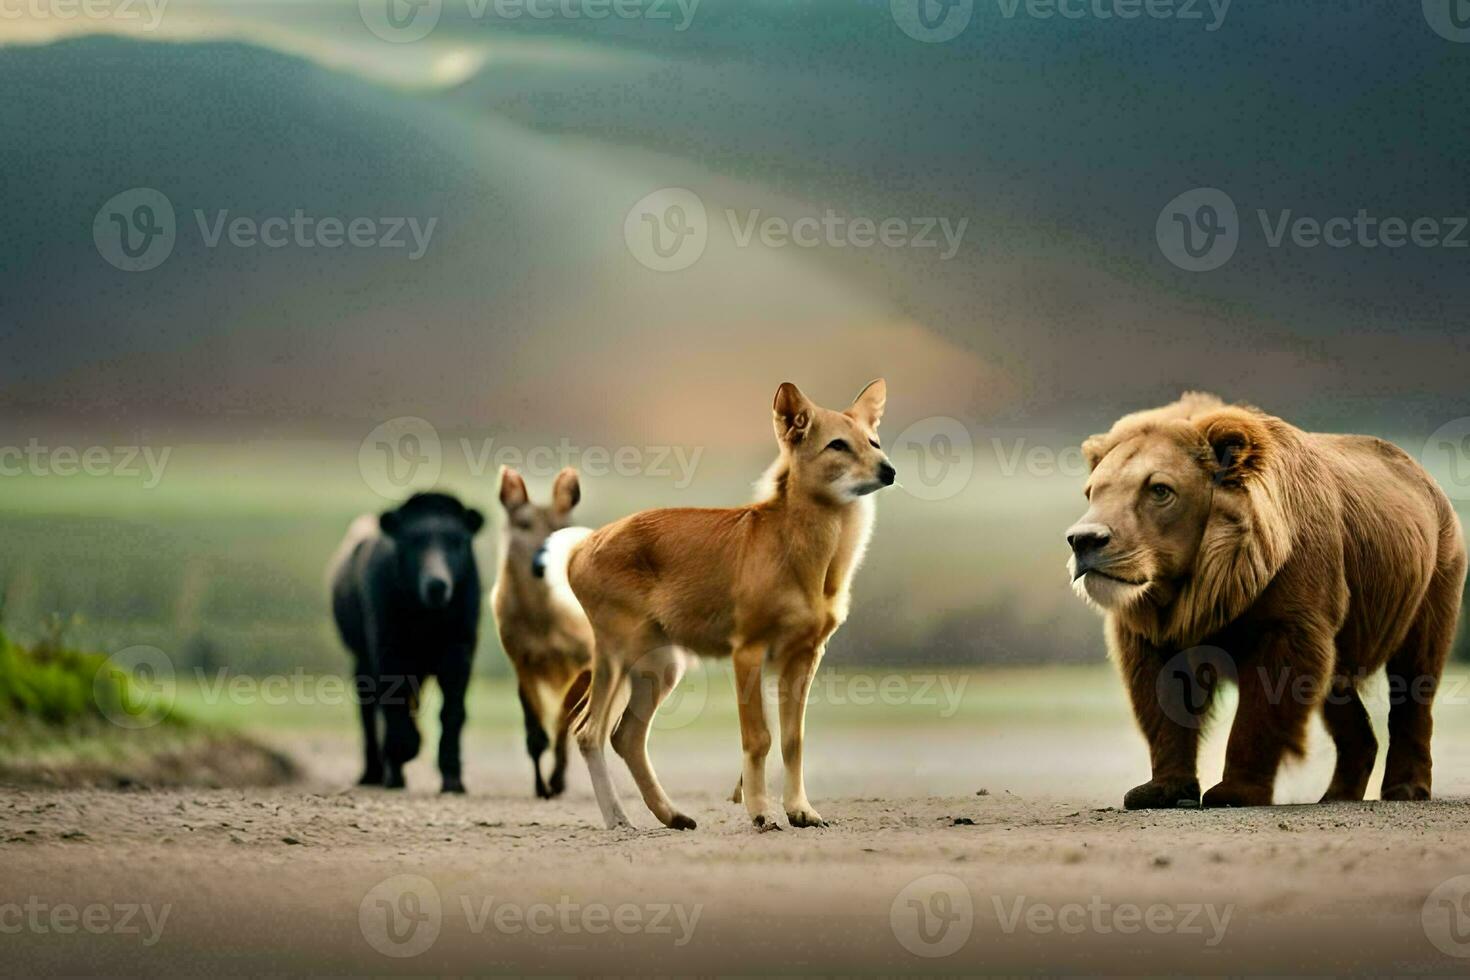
1088, 541
887, 473
436, 591
538, 562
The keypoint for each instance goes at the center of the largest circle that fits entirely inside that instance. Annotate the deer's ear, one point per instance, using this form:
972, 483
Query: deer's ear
512, 489
792, 413
867, 407
566, 492
1240, 443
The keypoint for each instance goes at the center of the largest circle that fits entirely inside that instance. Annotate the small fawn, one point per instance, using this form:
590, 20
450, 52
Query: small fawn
549, 643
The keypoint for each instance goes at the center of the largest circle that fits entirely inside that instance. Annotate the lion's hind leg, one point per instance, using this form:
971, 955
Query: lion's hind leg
1352, 732
1413, 679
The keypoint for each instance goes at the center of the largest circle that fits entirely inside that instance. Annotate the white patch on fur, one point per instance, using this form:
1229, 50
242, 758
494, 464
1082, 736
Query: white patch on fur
559, 548
1108, 594
364, 527
1102, 593
765, 487
867, 512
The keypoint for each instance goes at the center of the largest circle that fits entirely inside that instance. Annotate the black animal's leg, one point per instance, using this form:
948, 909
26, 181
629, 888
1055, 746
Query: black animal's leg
398, 699
558, 782
366, 691
536, 741
572, 704
453, 683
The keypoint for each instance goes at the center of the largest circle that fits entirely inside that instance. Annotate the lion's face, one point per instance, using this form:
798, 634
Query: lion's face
1149, 500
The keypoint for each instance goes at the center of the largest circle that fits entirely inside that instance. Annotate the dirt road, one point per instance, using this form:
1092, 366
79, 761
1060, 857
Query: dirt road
917, 873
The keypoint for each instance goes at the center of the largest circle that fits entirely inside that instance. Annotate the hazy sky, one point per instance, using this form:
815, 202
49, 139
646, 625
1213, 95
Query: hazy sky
1049, 147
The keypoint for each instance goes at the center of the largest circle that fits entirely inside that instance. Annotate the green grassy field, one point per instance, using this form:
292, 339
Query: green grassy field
221, 563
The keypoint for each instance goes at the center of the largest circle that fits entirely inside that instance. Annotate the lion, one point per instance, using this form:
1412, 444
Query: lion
1222, 543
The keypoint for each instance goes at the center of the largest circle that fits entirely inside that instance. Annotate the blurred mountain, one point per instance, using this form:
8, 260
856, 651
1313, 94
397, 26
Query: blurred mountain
526, 310
1056, 142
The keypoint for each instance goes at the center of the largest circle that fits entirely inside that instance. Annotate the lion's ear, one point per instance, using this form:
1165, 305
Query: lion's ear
1094, 448
1239, 441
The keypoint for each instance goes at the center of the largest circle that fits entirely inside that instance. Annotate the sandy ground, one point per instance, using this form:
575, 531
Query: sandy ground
918, 873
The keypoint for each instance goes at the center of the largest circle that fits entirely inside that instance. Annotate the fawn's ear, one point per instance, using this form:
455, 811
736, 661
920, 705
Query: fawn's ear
1240, 443
566, 492
512, 489
867, 407
793, 413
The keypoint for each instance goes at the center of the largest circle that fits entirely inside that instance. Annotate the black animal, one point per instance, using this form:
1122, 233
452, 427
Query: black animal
406, 598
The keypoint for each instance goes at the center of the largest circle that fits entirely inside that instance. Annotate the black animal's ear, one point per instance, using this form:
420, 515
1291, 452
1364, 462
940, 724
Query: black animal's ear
792, 413
474, 520
389, 522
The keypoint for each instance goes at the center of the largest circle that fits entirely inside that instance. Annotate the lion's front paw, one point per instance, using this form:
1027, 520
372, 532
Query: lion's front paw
1405, 792
1237, 794
1163, 795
